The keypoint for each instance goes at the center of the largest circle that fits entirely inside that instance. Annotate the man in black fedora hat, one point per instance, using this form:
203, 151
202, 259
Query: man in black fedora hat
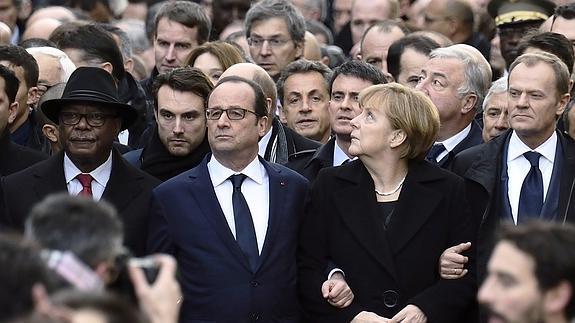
89, 116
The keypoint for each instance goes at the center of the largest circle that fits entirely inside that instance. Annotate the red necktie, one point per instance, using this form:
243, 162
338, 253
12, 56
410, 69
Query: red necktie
86, 180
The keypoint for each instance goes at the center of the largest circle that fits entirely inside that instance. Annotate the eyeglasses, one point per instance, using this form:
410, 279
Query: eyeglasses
258, 42
94, 119
233, 113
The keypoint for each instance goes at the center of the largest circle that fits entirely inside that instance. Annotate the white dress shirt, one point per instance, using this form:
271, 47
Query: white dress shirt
518, 167
452, 142
339, 156
263, 143
255, 189
100, 176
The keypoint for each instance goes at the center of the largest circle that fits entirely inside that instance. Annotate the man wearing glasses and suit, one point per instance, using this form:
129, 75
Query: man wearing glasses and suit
89, 117
232, 221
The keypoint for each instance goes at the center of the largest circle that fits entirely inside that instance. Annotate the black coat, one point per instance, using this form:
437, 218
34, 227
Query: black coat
480, 166
14, 158
472, 139
385, 267
310, 167
128, 189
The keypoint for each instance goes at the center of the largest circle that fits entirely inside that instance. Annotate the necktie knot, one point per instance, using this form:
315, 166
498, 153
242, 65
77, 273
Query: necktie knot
533, 158
435, 151
85, 179
237, 180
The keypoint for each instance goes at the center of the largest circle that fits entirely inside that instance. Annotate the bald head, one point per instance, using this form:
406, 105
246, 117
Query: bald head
41, 28
258, 75
61, 14
5, 34
312, 50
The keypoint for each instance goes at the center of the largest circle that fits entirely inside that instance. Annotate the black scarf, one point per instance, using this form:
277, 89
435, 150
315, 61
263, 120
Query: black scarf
158, 162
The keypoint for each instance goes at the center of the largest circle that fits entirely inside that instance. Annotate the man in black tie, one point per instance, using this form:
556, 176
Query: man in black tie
456, 79
528, 171
232, 221
89, 117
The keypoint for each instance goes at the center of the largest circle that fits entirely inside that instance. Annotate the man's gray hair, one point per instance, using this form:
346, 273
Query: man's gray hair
268, 9
476, 73
497, 87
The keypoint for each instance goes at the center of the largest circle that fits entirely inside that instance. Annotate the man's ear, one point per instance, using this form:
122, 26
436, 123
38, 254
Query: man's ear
299, 49
469, 102
12, 112
556, 299
129, 65
51, 132
107, 66
33, 96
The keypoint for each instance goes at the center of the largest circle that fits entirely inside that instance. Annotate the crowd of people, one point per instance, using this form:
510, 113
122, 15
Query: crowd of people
287, 161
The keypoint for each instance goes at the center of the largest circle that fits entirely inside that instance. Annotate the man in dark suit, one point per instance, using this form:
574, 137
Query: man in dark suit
527, 172
13, 157
232, 221
456, 79
346, 82
279, 144
89, 117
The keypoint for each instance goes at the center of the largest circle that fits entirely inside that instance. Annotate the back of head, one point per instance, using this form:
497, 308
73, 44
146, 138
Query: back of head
462, 11
95, 45
187, 13
89, 229
268, 9
18, 56
552, 248
21, 269
418, 43
67, 67
550, 42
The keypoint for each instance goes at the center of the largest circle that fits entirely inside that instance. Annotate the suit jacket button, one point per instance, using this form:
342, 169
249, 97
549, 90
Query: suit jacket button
255, 283
390, 298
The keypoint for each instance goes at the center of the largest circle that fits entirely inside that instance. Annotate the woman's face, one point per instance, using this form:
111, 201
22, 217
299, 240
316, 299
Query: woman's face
371, 132
209, 65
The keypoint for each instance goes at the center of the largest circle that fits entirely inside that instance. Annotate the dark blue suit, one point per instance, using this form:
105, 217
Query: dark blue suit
218, 284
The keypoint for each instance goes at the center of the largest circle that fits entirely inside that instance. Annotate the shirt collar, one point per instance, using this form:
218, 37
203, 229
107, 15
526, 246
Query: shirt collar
339, 156
220, 173
263, 143
453, 141
101, 174
517, 147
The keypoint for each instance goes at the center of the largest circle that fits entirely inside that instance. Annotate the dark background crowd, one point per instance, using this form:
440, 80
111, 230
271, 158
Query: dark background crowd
287, 161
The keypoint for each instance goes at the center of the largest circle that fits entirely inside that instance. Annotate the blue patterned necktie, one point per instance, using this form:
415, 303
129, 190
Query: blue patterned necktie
531, 198
435, 151
245, 231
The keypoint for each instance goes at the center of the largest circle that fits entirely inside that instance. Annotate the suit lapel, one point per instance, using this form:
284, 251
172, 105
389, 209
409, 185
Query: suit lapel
567, 179
409, 216
277, 190
202, 190
123, 185
359, 216
50, 177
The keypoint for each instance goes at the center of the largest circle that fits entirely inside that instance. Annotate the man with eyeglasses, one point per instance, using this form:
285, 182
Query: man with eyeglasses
89, 116
275, 31
232, 221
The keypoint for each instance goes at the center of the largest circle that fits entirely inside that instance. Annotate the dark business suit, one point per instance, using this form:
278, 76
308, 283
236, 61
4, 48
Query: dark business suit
218, 284
472, 139
128, 189
14, 158
386, 269
322, 158
482, 166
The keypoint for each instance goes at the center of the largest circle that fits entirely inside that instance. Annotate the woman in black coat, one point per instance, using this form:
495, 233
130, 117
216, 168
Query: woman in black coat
385, 220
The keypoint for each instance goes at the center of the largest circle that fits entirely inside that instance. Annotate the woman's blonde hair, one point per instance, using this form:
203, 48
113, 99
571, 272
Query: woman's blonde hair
408, 110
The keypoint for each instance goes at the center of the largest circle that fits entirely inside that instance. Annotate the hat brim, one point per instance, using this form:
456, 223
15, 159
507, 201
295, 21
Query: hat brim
52, 108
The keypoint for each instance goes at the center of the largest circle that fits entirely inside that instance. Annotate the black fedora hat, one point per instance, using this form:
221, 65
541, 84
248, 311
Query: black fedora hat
90, 85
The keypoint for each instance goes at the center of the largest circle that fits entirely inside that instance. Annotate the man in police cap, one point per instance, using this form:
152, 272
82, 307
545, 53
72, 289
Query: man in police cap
89, 116
514, 18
